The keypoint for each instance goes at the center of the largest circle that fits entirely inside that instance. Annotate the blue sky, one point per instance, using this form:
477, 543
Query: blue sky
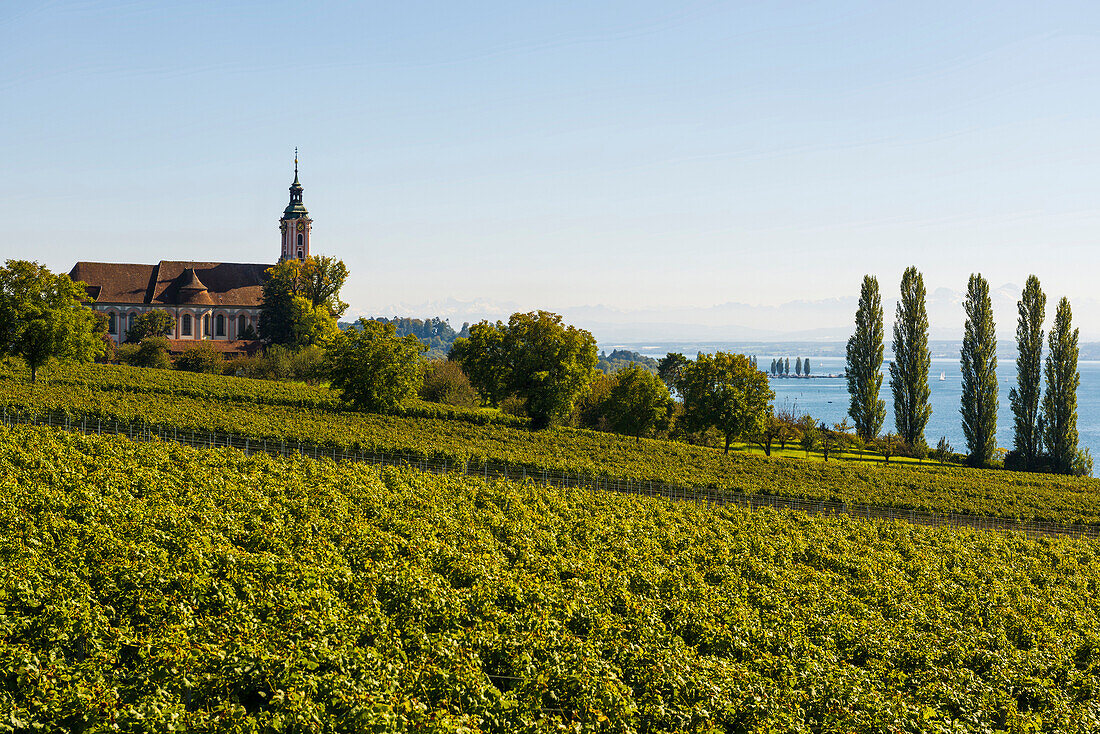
621, 154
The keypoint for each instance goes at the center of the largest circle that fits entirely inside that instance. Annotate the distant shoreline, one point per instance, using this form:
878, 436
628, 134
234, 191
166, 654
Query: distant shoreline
830, 376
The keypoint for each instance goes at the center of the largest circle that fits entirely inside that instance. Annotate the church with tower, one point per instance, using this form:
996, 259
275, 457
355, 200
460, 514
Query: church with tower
209, 301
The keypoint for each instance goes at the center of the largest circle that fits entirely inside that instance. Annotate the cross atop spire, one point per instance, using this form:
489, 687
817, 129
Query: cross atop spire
295, 164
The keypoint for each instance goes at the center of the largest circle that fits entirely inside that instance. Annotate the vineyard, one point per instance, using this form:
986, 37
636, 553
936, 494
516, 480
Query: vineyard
237, 390
180, 402
156, 587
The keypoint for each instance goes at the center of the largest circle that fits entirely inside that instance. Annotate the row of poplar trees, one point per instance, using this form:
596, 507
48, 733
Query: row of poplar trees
1045, 423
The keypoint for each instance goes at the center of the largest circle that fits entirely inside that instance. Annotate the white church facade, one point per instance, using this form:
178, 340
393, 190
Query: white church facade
208, 301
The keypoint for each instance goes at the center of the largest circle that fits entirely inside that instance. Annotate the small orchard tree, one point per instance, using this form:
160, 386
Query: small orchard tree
43, 317
771, 430
810, 438
155, 323
374, 369
942, 451
828, 439
637, 402
890, 445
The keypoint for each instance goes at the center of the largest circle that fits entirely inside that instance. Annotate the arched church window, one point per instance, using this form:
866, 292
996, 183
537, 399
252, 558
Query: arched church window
219, 325
130, 323
112, 324
240, 325
185, 329
299, 242
206, 324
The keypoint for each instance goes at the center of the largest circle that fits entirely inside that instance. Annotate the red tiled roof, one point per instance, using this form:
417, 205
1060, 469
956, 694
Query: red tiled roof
116, 282
237, 346
174, 282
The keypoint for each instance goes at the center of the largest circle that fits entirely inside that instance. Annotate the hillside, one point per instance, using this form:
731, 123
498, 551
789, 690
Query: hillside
278, 412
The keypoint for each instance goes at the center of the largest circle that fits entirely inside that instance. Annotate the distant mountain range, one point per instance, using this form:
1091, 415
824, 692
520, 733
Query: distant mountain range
801, 321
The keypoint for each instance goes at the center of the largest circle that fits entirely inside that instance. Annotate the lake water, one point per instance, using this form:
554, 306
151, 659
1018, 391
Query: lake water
826, 399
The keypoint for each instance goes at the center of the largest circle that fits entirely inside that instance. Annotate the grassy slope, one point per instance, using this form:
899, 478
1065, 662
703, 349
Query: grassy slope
153, 585
929, 488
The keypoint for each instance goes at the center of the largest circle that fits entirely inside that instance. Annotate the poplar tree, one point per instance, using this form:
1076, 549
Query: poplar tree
1060, 400
798, 367
864, 365
979, 373
912, 360
1027, 441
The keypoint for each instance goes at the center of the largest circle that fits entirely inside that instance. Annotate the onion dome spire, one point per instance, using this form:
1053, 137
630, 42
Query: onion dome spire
295, 208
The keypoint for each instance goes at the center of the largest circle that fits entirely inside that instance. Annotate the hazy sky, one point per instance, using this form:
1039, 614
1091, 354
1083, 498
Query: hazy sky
629, 154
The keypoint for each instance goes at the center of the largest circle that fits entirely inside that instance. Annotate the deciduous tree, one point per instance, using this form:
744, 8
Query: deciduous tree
301, 301
533, 357
725, 391
1060, 399
912, 360
43, 317
637, 402
979, 373
151, 324
1027, 437
864, 363
483, 358
374, 369
550, 364
670, 368
321, 279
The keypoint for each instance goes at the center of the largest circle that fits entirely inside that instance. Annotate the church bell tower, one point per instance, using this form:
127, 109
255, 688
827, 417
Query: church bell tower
295, 224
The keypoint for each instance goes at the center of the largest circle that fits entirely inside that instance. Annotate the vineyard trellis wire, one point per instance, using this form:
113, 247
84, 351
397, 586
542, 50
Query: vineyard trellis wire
500, 470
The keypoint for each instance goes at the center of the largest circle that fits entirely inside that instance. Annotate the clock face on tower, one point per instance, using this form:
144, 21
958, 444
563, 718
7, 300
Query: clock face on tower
301, 226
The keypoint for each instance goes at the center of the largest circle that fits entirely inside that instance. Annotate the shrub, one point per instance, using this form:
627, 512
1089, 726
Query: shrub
514, 405
151, 352
446, 383
591, 410
200, 358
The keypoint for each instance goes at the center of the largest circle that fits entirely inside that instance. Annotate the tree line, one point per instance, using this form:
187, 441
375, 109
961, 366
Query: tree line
781, 367
537, 366
1044, 422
